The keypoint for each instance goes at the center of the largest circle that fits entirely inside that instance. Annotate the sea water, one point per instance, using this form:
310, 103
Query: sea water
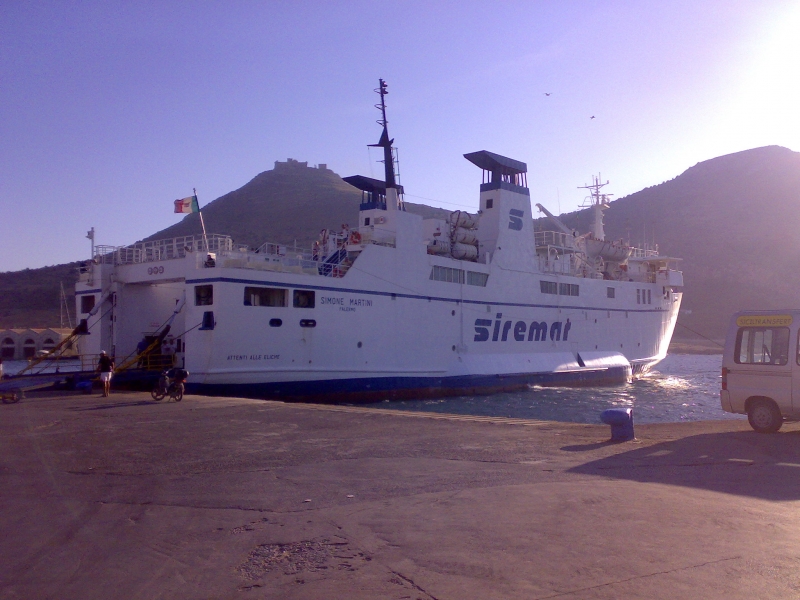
682, 387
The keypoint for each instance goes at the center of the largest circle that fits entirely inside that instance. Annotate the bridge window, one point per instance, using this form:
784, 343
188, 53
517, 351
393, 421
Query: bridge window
611, 292
203, 295
260, 296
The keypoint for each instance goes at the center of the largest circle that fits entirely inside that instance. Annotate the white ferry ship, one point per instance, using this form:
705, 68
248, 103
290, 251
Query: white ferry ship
399, 306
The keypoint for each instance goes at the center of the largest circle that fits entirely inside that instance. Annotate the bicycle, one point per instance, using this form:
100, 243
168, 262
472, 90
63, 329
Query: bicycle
173, 387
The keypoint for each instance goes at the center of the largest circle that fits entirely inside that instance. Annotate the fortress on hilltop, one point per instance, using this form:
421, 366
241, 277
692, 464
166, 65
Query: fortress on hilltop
296, 164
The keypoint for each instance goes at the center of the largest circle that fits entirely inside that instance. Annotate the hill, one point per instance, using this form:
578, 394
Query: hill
266, 209
32, 297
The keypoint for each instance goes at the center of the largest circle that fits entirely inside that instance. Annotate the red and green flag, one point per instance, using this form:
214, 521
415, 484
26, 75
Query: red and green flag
187, 205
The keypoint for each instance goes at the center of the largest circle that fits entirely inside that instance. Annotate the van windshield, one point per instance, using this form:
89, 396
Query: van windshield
762, 345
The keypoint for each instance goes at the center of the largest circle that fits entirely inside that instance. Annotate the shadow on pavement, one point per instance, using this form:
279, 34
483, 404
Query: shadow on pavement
587, 447
743, 463
114, 405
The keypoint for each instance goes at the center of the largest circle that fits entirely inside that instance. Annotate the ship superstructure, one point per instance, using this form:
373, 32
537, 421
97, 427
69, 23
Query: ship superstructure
397, 306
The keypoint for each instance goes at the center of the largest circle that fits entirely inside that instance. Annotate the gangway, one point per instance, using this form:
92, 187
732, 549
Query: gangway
14, 387
139, 369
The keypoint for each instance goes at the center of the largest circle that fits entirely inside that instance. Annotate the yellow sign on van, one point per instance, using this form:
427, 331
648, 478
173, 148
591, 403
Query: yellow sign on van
764, 321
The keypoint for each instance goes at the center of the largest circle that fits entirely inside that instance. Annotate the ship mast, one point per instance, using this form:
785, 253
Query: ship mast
387, 194
598, 202
385, 142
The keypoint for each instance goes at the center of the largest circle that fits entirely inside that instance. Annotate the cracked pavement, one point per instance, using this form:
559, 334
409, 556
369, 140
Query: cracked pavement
123, 497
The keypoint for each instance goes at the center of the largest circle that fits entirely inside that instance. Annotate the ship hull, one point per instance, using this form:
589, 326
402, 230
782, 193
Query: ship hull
422, 338
375, 389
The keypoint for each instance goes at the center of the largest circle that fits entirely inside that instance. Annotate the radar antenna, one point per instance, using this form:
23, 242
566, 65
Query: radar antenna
595, 198
598, 203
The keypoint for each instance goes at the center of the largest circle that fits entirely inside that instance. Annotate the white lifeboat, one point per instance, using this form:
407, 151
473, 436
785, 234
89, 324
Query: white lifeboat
607, 250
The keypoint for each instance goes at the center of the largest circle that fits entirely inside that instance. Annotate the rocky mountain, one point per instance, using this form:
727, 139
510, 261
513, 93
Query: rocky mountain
731, 219
289, 204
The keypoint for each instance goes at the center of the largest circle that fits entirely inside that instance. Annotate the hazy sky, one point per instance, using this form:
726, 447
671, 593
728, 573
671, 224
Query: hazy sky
109, 111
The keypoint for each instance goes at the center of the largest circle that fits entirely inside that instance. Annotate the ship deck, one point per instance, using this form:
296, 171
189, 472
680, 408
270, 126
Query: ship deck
124, 497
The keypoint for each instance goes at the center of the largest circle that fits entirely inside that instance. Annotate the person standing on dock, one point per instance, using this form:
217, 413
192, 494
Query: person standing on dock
106, 367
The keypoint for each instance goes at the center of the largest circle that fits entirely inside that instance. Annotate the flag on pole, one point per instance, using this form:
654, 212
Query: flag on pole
187, 205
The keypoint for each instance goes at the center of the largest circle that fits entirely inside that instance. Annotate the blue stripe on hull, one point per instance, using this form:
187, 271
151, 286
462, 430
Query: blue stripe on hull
396, 388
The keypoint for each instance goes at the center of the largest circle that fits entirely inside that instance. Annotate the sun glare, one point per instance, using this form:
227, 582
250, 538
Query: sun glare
765, 111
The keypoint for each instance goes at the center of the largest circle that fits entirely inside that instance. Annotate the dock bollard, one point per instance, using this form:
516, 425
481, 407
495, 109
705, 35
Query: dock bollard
621, 421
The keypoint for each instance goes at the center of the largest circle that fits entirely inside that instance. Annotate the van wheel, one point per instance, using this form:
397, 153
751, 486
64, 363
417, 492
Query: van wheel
764, 416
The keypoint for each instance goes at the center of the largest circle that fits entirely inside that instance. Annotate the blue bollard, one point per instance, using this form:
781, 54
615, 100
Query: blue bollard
621, 421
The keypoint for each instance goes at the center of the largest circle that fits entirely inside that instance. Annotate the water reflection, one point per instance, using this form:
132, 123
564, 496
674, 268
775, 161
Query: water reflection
682, 387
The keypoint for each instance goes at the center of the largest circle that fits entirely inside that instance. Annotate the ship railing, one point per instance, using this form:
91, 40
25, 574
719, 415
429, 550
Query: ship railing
645, 252
561, 264
556, 239
158, 250
281, 250
389, 244
334, 260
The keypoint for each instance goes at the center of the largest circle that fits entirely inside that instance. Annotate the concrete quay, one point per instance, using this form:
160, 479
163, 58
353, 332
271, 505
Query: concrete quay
225, 498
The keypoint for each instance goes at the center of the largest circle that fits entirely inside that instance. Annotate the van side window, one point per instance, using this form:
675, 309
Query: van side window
762, 345
798, 348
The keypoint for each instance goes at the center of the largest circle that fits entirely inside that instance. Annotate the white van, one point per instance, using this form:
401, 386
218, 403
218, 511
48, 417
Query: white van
761, 368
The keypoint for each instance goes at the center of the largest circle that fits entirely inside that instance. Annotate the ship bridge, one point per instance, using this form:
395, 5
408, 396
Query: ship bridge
500, 172
373, 191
